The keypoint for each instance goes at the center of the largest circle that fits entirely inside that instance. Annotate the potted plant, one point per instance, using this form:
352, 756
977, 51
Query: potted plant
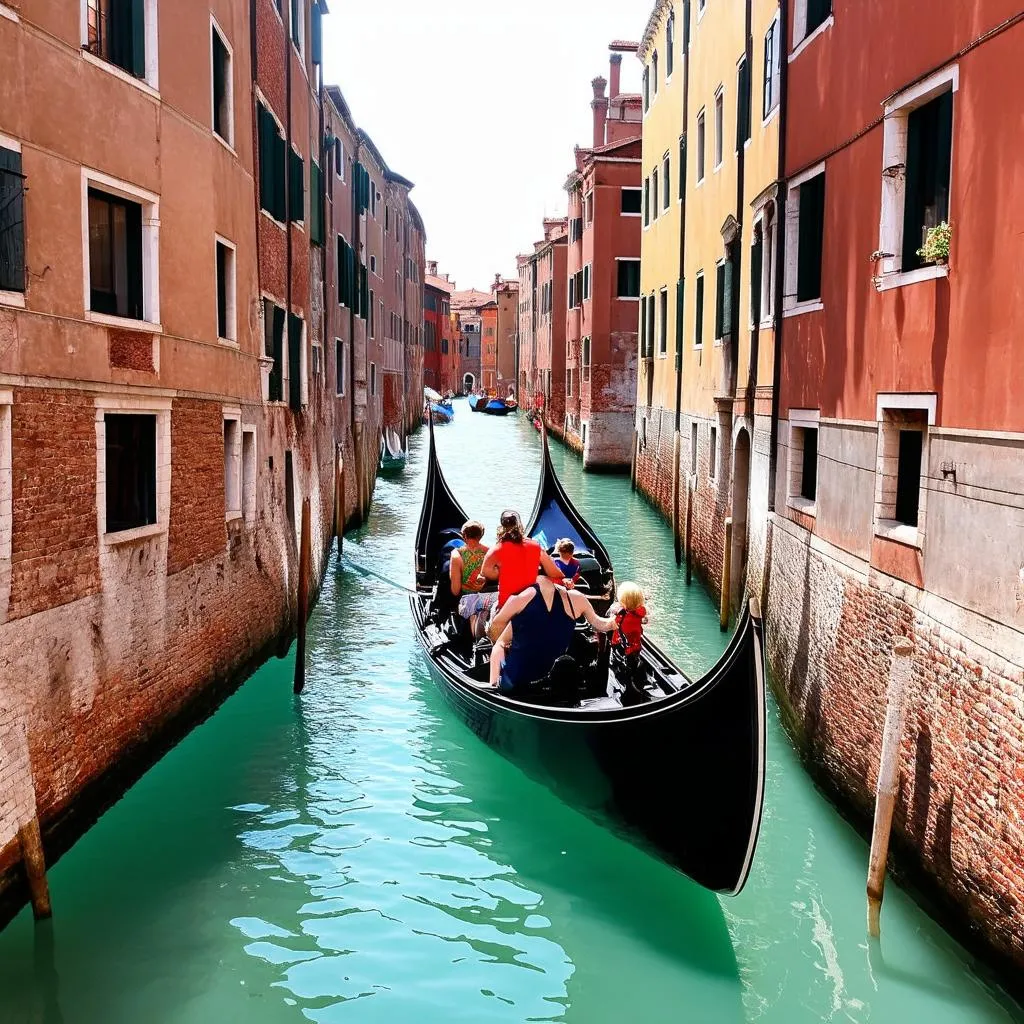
936, 244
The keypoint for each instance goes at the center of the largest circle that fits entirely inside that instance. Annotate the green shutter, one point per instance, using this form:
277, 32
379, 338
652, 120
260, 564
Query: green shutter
278, 164
266, 145
727, 297
12, 222
679, 325
294, 362
295, 21
316, 206
809, 238
316, 34
743, 106
755, 279
296, 187
138, 39
277, 342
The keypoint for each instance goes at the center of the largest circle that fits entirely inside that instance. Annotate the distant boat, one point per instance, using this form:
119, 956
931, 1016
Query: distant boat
434, 412
392, 455
492, 406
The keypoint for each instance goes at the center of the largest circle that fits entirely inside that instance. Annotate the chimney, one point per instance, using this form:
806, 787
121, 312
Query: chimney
600, 107
432, 268
614, 74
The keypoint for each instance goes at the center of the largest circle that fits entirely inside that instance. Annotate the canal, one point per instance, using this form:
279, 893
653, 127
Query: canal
356, 855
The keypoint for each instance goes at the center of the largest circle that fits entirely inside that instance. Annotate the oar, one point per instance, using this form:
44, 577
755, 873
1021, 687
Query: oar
384, 579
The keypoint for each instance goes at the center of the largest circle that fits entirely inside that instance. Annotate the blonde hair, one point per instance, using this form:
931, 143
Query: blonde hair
630, 596
565, 545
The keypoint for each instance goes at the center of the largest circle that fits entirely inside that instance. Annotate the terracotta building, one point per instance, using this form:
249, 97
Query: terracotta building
489, 345
439, 371
468, 304
898, 479
603, 268
506, 296
170, 382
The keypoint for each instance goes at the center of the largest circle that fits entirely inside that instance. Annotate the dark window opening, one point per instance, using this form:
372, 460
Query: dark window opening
720, 301
693, 449
339, 366
742, 104
223, 256
817, 12
908, 477
628, 279
12, 222
130, 471
929, 154
115, 255
221, 87
289, 488
663, 323
116, 31
295, 325
756, 258
698, 329
273, 346
713, 453
810, 238
809, 467
632, 200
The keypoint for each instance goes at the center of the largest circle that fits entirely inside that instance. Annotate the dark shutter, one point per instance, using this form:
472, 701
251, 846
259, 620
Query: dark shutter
296, 187
720, 301
265, 143
278, 167
643, 327
679, 325
809, 474
755, 278
277, 352
316, 34
682, 166
809, 245
908, 476
742, 104
222, 292
12, 222
219, 82
295, 21
133, 259
698, 328
138, 39
686, 25
294, 362
316, 205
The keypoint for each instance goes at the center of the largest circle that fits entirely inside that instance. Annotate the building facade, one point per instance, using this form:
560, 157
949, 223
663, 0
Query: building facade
489, 345
178, 374
468, 304
506, 296
437, 335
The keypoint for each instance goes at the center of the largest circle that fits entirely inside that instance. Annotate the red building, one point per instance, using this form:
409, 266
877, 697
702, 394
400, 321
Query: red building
898, 475
603, 267
439, 369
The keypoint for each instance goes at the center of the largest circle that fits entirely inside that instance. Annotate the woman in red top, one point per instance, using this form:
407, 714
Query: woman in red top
516, 561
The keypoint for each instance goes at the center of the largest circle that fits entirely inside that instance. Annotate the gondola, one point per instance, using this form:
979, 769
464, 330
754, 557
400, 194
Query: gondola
492, 406
673, 764
392, 455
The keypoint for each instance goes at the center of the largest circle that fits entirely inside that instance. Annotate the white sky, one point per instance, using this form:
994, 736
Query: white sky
480, 104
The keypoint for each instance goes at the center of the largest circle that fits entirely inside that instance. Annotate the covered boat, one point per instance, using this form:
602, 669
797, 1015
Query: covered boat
675, 764
393, 455
492, 406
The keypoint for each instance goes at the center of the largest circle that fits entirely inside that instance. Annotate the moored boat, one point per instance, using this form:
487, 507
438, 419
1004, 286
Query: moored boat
393, 455
675, 764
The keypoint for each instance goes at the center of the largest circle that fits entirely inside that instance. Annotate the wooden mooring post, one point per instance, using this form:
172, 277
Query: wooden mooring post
688, 537
30, 839
723, 604
304, 572
888, 780
676, 485
339, 499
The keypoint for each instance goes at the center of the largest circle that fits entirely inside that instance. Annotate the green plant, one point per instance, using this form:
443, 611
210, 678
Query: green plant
936, 244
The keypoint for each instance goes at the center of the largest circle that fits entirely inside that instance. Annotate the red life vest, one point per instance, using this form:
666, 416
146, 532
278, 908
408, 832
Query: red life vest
629, 630
518, 567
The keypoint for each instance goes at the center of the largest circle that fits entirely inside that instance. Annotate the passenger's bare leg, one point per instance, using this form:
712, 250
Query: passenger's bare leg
498, 654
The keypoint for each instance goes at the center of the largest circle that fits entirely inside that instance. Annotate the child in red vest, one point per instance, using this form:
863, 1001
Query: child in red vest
627, 640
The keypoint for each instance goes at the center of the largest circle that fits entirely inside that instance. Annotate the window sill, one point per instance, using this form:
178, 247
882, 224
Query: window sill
717, 167
227, 342
137, 533
772, 114
628, 298
126, 322
699, 182
233, 516
767, 324
6, 12
631, 214
12, 299
807, 40
798, 308
112, 69
224, 142
272, 218
900, 279
803, 505
901, 533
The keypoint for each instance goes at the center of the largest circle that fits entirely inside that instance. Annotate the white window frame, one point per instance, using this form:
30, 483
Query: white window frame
768, 212
150, 84
894, 175
700, 150
232, 291
719, 128
801, 40
702, 6
887, 464
301, 48
625, 298
586, 358
249, 461
661, 323
343, 365
144, 406
776, 70
372, 382
150, 204
233, 502
229, 142
632, 188
699, 276
11, 298
799, 420
666, 180
790, 307
713, 451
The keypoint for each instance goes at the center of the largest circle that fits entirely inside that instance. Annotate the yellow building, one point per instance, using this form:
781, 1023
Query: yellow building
702, 413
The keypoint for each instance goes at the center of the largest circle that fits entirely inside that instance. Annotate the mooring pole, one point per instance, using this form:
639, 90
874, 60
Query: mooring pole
676, 536
30, 839
304, 569
689, 532
339, 498
723, 604
888, 780
632, 461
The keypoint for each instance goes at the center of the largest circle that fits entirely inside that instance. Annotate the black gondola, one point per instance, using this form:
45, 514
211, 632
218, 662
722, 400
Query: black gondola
674, 764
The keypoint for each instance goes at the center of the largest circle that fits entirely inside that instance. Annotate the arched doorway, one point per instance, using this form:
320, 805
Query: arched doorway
740, 503
468, 383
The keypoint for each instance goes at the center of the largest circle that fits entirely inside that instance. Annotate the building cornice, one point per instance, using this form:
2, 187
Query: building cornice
661, 8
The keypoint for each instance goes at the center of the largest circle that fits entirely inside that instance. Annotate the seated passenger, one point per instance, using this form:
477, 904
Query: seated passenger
516, 560
629, 615
466, 581
544, 617
568, 566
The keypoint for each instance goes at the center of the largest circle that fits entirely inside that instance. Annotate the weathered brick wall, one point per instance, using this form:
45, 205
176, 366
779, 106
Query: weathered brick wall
831, 625
196, 529
54, 550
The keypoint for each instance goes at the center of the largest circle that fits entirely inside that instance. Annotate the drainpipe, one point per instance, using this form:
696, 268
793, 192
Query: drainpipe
780, 256
356, 432
288, 181
254, 61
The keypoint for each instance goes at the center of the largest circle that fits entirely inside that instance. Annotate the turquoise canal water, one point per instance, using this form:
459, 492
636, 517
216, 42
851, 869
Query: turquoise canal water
356, 855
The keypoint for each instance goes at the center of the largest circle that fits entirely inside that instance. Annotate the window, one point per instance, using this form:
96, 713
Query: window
585, 359
628, 279
289, 487
588, 208
666, 181
663, 322
249, 473
373, 380
719, 300
742, 104
273, 348
808, 15
373, 321
339, 159
700, 146
650, 326
698, 327
232, 467
296, 362
670, 44
586, 282
805, 218
117, 31
130, 471
273, 153
908, 477
693, 449
632, 202
339, 367
654, 71
373, 264
713, 454
772, 56
226, 309
803, 460
223, 87
647, 89
901, 469
115, 255
647, 201
298, 24
572, 295
316, 204
719, 125
296, 187
568, 383
12, 221
762, 266
654, 194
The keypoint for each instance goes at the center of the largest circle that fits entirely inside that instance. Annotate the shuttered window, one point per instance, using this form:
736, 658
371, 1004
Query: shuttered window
770, 87
670, 44
272, 155
929, 153
698, 327
273, 347
643, 327
756, 257
12, 222
116, 31
221, 62
742, 103
663, 322
115, 255
316, 205
316, 34
810, 238
294, 361
650, 326
719, 301
296, 187
679, 324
